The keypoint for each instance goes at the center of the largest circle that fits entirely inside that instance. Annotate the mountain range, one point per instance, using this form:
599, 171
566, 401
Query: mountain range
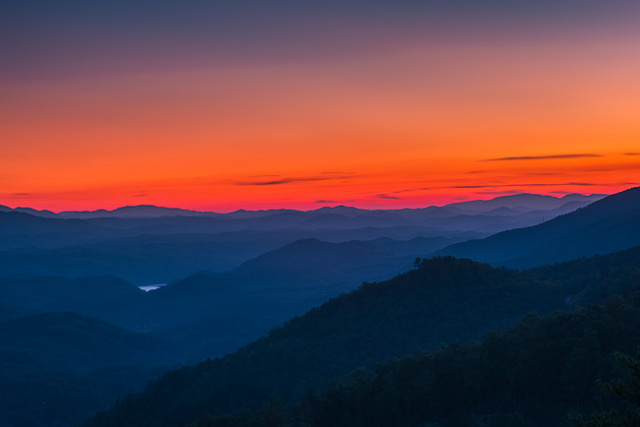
273, 285
233, 279
149, 245
518, 202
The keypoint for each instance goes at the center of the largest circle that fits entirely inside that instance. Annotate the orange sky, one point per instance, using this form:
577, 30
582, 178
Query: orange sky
417, 125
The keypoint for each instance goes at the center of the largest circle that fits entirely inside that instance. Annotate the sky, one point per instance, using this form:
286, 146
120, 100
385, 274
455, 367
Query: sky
216, 105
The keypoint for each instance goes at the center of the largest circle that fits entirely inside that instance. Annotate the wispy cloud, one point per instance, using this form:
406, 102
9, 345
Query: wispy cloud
548, 157
291, 180
387, 196
631, 154
280, 181
555, 184
494, 186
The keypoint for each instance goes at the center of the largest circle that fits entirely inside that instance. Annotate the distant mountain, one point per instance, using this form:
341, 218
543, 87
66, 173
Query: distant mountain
24, 230
15, 223
149, 244
143, 259
523, 202
605, 226
140, 211
312, 262
520, 202
307, 254
42, 213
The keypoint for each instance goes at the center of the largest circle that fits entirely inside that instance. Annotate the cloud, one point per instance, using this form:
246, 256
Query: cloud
291, 180
631, 154
494, 186
556, 184
549, 157
278, 181
387, 196
23, 195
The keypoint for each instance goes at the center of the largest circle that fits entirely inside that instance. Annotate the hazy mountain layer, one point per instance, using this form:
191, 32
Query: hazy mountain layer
148, 244
518, 202
605, 226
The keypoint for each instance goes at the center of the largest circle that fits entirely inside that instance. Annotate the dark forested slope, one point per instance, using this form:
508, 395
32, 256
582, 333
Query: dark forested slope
443, 300
540, 372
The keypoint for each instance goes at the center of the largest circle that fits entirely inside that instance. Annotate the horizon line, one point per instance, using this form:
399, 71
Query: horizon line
328, 205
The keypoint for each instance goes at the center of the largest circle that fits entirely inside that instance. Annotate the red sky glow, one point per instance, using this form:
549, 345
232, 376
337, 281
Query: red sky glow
376, 114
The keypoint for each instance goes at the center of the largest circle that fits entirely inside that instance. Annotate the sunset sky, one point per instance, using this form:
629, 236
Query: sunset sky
223, 105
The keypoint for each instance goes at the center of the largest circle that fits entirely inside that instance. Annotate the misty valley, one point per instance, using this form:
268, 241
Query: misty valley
514, 311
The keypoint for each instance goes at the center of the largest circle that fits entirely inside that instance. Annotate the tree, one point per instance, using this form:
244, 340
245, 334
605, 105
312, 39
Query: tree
628, 391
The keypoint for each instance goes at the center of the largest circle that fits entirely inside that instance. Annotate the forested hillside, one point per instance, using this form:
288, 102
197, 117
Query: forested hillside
444, 300
541, 372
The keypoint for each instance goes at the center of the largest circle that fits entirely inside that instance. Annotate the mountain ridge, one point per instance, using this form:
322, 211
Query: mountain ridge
524, 200
605, 226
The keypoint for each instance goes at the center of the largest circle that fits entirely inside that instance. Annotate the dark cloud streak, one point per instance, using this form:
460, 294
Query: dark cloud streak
549, 157
387, 196
291, 180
